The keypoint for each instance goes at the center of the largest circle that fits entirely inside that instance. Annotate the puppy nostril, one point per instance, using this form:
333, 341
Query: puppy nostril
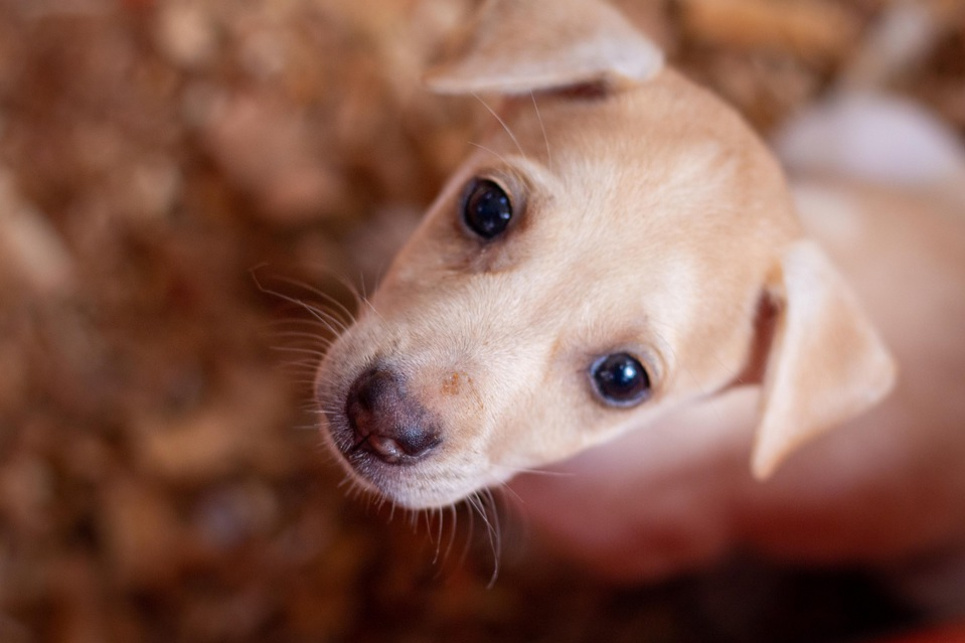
388, 423
386, 449
393, 450
416, 442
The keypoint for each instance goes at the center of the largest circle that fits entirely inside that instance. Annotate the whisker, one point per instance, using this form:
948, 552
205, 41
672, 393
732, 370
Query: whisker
312, 337
482, 501
439, 522
308, 325
502, 123
538, 472
490, 151
337, 305
471, 528
495, 542
298, 351
452, 535
542, 128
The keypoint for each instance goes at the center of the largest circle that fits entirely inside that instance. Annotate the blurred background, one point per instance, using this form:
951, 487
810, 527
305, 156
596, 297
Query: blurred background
175, 177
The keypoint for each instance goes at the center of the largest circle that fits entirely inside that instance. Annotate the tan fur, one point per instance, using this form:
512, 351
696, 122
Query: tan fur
649, 218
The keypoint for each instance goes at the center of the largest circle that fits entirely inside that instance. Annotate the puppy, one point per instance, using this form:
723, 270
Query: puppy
620, 271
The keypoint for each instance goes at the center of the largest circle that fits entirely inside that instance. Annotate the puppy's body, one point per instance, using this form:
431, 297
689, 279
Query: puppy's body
647, 221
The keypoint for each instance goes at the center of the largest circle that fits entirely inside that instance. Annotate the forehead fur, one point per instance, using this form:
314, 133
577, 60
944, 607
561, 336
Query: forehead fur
665, 142
679, 186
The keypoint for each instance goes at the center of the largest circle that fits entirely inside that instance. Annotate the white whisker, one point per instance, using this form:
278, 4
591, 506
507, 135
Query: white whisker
490, 151
502, 123
542, 128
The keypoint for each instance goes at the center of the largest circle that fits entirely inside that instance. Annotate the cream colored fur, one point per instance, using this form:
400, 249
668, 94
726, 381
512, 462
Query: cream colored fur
649, 218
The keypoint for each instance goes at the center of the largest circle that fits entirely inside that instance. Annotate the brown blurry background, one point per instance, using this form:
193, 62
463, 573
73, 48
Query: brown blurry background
173, 174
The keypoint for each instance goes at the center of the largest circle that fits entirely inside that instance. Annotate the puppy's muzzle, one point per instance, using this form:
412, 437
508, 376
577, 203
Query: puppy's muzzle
387, 423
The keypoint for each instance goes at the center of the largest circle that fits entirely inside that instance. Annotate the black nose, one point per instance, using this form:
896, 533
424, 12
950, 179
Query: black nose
387, 423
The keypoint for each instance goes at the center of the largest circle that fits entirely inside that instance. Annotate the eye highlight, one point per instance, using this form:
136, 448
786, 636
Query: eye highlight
620, 380
486, 208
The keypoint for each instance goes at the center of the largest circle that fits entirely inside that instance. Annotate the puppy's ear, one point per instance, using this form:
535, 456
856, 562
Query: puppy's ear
519, 46
826, 363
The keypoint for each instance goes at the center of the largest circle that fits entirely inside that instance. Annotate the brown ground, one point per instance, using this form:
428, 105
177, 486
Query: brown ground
166, 164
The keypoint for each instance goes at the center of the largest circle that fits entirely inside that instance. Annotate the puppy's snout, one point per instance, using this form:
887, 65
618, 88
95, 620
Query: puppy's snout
387, 423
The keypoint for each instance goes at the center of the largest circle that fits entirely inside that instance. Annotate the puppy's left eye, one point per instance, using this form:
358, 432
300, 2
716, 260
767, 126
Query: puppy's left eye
620, 379
487, 209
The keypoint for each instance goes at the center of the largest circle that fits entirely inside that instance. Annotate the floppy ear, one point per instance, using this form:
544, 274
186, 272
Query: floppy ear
519, 46
826, 362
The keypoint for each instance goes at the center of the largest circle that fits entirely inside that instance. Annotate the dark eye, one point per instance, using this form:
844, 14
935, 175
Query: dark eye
486, 208
620, 379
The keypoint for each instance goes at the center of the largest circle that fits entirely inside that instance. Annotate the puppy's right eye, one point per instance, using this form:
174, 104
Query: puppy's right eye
620, 380
487, 209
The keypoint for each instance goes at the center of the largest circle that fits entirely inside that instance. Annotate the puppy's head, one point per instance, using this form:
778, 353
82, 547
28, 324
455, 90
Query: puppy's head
620, 244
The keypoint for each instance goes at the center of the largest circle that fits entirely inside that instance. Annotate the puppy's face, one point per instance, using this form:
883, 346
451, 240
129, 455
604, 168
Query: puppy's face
593, 264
